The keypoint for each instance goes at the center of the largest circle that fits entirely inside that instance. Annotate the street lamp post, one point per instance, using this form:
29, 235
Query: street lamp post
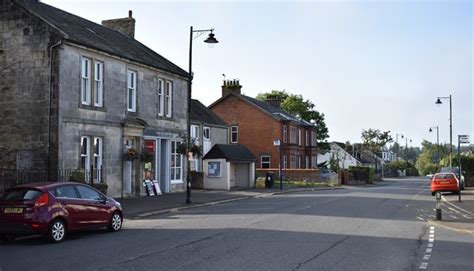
438, 102
437, 142
211, 40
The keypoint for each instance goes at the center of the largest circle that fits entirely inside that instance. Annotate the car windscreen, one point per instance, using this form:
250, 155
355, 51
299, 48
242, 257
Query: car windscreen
21, 194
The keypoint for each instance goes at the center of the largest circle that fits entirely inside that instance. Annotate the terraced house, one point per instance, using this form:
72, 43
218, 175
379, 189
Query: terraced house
88, 98
258, 124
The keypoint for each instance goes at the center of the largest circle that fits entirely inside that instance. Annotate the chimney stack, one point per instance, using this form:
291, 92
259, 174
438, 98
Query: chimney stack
231, 86
124, 25
274, 100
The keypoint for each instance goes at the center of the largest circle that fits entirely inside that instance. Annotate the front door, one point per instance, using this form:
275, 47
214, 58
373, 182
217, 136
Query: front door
129, 172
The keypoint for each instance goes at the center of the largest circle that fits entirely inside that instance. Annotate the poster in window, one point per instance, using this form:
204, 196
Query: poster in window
214, 169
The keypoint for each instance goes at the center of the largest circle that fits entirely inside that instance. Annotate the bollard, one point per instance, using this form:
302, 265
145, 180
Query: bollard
438, 206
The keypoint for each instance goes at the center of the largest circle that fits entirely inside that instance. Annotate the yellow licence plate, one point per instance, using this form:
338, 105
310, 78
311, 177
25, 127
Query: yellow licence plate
13, 210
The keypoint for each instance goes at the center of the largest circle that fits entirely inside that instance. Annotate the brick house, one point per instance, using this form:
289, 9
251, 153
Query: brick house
257, 124
207, 129
79, 95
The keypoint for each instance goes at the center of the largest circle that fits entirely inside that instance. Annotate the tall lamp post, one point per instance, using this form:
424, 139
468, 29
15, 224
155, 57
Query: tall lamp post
437, 141
210, 40
438, 102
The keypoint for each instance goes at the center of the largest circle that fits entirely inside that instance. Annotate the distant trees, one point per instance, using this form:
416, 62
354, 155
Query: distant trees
427, 161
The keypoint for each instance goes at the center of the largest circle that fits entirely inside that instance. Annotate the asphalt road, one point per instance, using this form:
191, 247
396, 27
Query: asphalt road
385, 227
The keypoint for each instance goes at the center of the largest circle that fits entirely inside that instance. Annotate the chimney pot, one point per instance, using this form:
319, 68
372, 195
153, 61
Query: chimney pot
231, 86
129, 14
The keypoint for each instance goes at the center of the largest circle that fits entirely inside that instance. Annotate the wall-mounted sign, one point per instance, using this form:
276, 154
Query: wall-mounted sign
276, 142
150, 145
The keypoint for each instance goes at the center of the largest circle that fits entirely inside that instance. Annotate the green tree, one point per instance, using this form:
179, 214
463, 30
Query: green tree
427, 161
296, 105
374, 140
334, 163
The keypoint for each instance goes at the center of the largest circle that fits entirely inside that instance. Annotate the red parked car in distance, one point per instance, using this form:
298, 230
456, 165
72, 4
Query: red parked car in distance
444, 182
55, 209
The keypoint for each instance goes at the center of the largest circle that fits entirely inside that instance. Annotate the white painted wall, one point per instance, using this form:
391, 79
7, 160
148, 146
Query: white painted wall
345, 159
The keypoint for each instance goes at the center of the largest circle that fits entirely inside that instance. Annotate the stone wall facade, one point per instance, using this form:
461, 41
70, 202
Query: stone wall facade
25, 88
42, 115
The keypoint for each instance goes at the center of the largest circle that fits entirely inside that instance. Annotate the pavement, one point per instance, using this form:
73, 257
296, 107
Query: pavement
458, 215
141, 207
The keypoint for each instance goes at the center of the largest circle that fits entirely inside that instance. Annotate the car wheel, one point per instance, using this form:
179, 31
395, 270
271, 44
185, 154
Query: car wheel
57, 231
115, 223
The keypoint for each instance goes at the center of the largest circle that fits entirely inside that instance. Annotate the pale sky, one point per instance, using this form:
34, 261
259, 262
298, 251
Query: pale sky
364, 64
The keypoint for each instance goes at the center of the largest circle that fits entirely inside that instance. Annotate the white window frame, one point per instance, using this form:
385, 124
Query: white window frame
285, 134
98, 84
266, 162
195, 133
131, 91
206, 133
169, 99
176, 158
98, 156
236, 132
214, 165
293, 161
292, 135
285, 161
161, 99
299, 136
85, 162
86, 81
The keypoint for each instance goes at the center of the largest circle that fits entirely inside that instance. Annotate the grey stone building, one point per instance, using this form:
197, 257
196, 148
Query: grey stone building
207, 129
78, 95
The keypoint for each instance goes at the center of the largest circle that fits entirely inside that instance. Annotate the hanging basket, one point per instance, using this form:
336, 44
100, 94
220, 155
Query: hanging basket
196, 150
130, 155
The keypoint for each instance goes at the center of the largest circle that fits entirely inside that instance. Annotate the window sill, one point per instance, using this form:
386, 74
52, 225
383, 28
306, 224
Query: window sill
177, 182
92, 107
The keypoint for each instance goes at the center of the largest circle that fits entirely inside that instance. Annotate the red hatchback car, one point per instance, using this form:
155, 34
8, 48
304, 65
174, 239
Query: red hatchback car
54, 209
444, 182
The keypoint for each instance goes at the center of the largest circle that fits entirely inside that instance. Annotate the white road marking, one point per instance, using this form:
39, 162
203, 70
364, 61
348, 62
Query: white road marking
432, 235
426, 257
424, 266
429, 250
431, 240
430, 245
432, 228
454, 210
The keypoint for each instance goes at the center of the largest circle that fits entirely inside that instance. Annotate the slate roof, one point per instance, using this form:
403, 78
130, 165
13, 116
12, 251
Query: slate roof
274, 111
81, 31
201, 113
232, 152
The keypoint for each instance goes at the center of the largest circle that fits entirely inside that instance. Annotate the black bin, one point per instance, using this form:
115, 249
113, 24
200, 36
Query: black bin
269, 180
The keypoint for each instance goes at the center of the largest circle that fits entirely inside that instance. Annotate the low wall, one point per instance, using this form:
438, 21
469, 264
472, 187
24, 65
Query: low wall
308, 175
